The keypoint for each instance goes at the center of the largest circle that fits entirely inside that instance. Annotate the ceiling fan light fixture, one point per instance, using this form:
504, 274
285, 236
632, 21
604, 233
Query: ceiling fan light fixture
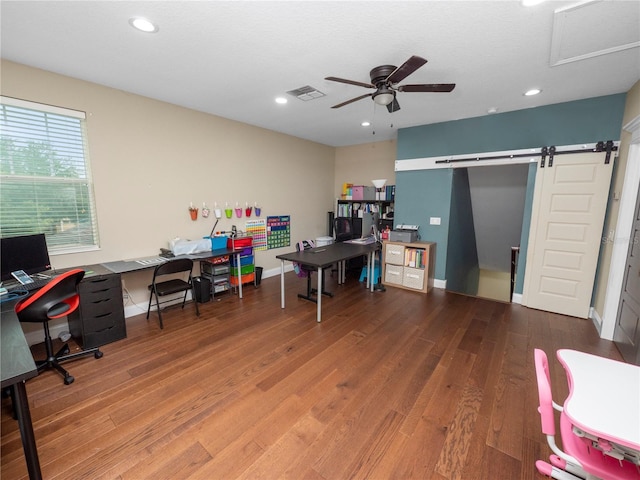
383, 96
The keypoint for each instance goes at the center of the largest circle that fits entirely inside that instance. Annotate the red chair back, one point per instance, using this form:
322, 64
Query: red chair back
56, 299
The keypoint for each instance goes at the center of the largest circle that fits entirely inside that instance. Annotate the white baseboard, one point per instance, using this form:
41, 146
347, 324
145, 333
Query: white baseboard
516, 298
597, 320
437, 283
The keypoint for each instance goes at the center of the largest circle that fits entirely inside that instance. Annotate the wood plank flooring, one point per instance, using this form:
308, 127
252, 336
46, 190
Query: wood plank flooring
391, 385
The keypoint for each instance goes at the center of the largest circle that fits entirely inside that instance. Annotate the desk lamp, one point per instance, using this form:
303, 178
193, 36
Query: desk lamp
379, 184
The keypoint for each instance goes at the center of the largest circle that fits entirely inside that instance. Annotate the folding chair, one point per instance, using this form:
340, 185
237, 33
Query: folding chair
175, 285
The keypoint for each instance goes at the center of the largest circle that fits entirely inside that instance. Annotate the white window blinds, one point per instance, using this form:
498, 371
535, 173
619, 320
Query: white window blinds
45, 179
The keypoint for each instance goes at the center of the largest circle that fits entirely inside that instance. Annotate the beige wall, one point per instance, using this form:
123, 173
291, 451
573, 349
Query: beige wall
631, 111
359, 164
150, 159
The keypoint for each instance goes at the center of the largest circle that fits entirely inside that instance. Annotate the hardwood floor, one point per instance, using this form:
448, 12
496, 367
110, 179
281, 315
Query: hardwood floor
391, 385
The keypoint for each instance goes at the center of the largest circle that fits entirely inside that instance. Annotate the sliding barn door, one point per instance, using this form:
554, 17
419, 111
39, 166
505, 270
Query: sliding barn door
569, 205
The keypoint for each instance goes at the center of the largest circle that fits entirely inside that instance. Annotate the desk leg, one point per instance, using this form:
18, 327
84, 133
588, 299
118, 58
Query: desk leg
21, 406
239, 275
372, 262
281, 283
319, 316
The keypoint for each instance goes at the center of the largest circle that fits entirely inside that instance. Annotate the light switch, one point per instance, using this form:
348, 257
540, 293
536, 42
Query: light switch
434, 220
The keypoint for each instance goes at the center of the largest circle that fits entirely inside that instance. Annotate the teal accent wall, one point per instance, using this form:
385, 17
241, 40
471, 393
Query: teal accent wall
526, 223
421, 194
425, 194
463, 271
571, 123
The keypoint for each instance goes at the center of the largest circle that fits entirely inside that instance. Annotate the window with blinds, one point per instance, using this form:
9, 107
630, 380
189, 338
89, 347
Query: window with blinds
45, 179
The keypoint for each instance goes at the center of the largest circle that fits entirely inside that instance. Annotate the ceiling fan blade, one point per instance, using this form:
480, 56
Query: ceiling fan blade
428, 87
393, 106
350, 82
406, 69
352, 100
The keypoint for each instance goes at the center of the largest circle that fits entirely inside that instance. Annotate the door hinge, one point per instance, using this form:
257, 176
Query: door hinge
552, 151
544, 156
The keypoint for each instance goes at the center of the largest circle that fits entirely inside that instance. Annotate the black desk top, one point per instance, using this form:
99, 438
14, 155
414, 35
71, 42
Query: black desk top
133, 265
322, 257
16, 361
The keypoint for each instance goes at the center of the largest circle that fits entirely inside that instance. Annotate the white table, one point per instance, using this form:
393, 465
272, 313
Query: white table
604, 397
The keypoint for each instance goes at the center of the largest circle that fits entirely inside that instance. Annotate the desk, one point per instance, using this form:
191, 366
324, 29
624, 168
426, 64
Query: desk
145, 263
323, 257
604, 397
17, 366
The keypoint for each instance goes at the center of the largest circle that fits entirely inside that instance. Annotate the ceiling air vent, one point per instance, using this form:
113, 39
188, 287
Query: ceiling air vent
306, 93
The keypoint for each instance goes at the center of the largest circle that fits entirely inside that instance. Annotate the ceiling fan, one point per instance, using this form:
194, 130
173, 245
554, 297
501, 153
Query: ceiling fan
385, 79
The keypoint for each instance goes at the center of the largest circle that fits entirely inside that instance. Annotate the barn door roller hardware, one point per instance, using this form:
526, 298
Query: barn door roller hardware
607, 146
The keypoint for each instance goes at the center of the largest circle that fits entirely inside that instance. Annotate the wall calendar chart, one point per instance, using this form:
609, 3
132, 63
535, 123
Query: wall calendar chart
278, 231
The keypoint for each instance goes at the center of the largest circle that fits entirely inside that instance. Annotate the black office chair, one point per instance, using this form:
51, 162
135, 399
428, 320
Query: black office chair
56, 299
175, 285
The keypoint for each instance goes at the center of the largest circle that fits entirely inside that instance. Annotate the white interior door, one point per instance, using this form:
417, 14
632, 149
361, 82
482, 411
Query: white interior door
627, 330
569, 205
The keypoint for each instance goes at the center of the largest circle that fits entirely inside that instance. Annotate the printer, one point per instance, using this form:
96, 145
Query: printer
404, 233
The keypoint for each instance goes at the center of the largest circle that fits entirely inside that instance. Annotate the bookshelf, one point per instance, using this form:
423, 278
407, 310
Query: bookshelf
409, 265
357, 209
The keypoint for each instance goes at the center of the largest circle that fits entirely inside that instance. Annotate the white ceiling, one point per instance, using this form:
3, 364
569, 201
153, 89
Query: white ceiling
233, 58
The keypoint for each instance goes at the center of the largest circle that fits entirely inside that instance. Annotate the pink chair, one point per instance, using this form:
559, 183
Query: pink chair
579, 460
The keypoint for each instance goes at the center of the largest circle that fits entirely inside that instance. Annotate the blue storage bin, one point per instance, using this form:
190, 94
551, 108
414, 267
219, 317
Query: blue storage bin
218, 243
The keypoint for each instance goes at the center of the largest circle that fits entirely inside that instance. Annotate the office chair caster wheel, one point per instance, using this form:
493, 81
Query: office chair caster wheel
68, 380
98, 354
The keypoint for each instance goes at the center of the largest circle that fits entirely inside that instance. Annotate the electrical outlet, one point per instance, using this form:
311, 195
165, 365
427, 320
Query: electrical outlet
435, 220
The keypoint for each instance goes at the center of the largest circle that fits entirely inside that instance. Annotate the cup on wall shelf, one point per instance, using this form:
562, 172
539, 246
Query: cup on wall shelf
193, 212
205, 211
247, 211
258, 210
239, 212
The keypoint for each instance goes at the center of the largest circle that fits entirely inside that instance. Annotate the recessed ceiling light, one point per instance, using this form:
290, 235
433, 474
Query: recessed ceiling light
492, 110
143, 25
281, 100
365, 124
531, 3
533, 91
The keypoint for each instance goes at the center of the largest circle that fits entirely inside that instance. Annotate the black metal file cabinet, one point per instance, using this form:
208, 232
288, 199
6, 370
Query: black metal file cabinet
100, 317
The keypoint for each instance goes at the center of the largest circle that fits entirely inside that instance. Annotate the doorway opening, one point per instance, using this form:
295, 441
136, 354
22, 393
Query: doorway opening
487, 209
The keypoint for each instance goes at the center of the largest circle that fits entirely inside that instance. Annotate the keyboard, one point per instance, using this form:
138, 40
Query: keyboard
151, 261
29, 287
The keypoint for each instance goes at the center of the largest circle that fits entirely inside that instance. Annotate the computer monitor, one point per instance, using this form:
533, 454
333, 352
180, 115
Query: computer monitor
370, 222
26, 252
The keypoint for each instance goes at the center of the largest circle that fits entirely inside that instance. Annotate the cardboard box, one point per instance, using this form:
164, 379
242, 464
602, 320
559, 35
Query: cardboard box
361, 192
